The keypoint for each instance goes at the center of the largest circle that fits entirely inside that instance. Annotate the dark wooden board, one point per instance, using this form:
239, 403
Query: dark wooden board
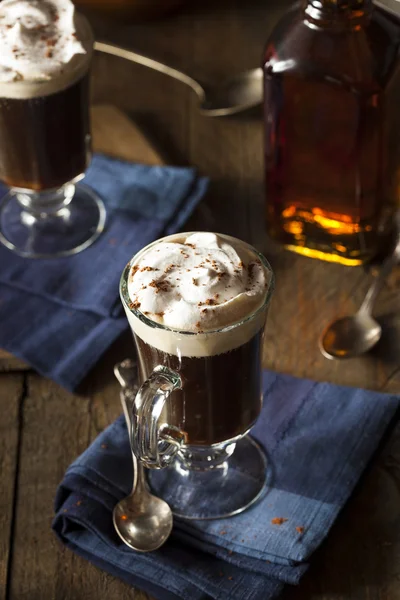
11, 392
360, 560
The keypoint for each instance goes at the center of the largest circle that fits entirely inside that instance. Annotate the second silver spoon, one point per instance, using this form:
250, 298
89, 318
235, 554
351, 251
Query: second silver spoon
231, 96
142, 521
354, 335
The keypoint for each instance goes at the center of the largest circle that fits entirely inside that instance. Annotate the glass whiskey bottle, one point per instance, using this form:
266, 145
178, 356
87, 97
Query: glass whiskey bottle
332, 129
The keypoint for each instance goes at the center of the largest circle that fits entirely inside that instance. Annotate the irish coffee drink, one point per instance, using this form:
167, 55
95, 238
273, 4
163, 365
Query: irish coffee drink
197, 305
45, 55
199, 285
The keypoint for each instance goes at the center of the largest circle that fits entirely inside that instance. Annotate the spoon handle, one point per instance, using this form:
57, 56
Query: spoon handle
136, 479
152, 64
127, 375
139, 485
377, 285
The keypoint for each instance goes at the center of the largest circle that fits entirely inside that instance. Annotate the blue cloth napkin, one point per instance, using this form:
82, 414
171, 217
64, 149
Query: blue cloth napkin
60, 315
319, 438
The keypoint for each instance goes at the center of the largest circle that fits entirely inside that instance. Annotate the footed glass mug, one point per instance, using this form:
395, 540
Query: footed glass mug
45, 130
200, 394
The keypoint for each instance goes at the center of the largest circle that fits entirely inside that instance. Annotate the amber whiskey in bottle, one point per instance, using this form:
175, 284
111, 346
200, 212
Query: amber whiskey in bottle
332, 129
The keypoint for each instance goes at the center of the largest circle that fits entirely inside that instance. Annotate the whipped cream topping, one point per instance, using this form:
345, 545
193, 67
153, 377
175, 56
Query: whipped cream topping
38, 39
198, 282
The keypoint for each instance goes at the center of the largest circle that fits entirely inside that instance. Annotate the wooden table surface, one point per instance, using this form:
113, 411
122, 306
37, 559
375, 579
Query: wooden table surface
43, 428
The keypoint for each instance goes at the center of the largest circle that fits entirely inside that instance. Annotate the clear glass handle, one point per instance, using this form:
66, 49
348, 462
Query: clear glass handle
153, 444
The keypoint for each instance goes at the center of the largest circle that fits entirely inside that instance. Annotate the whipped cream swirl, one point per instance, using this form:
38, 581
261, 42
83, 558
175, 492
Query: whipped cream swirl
38, 39
197, 283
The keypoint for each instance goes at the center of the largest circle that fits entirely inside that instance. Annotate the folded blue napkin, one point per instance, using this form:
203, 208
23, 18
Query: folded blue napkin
60, 315
319, 438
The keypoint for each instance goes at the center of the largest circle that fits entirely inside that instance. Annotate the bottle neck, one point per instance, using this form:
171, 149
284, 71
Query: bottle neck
336, 12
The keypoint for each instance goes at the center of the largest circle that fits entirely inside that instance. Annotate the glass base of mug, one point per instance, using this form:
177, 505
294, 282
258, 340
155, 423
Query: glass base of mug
214, 482
53, 223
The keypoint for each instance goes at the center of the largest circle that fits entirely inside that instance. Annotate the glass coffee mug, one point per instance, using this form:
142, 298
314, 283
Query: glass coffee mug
44, 152
199, 396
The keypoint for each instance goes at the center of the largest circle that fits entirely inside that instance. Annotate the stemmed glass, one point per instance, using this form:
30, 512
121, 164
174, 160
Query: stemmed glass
194, 409
45, 150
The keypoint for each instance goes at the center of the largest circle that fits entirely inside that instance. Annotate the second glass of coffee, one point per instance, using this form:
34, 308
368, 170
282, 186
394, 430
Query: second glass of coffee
45, 55
197, 306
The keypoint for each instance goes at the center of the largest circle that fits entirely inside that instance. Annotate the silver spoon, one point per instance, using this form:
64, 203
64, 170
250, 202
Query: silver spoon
142, 521
354, 335
236, 94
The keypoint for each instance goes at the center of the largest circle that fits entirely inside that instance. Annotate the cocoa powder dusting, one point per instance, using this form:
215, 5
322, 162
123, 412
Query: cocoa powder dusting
134, 305
250, 270
134, 270
278, 521
160, 285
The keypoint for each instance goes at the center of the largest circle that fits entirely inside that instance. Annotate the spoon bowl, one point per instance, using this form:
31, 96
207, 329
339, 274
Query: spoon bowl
350, 336
142, 521
354, 335
236, 94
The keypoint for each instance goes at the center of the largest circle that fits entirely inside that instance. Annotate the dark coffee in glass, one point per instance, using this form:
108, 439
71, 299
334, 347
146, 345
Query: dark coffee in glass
45, 140
220, 398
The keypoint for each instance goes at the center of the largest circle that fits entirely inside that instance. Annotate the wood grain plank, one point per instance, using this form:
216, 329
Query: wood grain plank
117, 135
218, 146
158, 104
8, 362
11, 390
57, 427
